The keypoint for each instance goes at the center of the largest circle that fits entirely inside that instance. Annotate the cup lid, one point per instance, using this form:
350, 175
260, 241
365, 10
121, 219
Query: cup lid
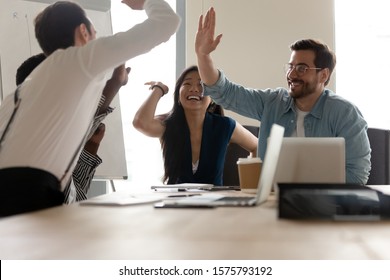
248, 160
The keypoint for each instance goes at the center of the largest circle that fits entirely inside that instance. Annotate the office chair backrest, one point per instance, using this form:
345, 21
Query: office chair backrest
233, 153
380, 156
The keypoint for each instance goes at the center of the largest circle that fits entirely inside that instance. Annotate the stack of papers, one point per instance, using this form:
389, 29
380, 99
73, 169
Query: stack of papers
123, 199
183, 187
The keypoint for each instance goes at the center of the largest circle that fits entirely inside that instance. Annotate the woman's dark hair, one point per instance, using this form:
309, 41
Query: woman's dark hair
177, 132
324, 57
56, 24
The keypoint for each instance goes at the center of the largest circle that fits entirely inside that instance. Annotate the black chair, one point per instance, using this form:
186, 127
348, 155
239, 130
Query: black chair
380, 156
233, 153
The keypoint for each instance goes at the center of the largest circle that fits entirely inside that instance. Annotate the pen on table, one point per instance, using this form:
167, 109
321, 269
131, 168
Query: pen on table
183, 195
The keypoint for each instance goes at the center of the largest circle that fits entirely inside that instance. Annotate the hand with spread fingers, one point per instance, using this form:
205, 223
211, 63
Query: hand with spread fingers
205, 43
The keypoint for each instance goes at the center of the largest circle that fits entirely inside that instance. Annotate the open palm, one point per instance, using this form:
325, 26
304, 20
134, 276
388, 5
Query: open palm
205, 43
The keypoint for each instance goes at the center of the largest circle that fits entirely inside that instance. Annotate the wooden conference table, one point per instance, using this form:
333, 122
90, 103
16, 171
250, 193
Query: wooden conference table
144, 233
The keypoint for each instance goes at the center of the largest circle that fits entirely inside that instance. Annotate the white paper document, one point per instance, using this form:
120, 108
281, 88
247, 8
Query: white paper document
183, 186
123, 199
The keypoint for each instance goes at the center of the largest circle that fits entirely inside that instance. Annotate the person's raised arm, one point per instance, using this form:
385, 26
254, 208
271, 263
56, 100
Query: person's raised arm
119, 78
135, 4
145, 120
89, 160
107, 52
205, 44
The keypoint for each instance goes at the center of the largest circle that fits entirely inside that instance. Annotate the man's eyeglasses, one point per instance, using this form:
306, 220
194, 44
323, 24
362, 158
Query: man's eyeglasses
301, 69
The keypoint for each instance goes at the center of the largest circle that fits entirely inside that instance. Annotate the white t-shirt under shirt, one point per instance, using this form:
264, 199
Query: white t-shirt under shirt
300, 124
60, 97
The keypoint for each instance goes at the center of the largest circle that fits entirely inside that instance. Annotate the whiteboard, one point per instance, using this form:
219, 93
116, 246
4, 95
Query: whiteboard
17, 43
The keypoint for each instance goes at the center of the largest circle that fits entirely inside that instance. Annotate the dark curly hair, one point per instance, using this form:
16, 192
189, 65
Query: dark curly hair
28, 66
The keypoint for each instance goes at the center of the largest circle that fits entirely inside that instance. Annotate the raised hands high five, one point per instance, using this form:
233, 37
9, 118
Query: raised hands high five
205, 44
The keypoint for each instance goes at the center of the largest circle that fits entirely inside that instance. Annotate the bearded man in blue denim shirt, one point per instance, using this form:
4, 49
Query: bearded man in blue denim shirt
305, 109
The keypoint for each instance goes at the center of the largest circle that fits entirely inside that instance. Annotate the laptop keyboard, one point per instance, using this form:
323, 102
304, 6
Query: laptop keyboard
235, 198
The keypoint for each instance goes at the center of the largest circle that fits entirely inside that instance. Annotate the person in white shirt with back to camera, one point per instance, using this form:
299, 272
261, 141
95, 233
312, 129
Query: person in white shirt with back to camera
54, 108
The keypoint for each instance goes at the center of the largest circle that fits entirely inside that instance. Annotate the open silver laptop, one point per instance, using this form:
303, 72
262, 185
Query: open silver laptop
311, 160
264, 187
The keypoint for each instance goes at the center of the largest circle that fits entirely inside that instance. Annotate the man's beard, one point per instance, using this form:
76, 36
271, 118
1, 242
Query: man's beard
305, 89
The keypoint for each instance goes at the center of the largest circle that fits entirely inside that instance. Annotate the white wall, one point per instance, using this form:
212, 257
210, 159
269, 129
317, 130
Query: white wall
257, 35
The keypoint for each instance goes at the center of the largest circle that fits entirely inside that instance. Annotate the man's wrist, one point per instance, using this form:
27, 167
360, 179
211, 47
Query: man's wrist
92, 147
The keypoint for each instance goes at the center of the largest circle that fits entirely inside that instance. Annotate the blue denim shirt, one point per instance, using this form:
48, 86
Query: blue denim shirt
332, 116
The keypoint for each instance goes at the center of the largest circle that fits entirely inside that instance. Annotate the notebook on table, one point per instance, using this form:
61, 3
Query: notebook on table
264, 187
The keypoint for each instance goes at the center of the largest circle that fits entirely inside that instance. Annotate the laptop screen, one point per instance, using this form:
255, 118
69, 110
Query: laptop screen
311, 160
270, 163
